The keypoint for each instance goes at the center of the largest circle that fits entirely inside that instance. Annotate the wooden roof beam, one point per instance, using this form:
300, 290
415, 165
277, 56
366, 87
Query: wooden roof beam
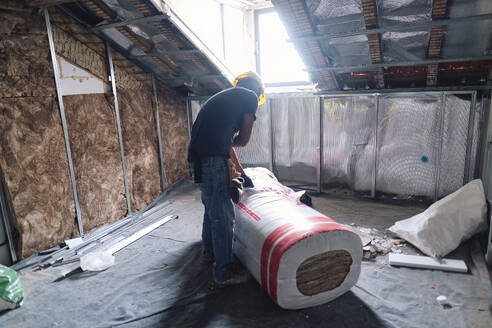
436, 37
369, 11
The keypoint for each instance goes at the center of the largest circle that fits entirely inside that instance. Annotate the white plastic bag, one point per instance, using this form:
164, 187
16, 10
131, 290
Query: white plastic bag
96, 261
445, 224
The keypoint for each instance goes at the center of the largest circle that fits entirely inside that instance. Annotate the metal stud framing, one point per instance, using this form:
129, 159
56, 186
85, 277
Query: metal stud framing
56, 71
159, 138
469, 140
319, 172
118, 125
190, 115
146, 19
376, 144
5, 218
272, 154
437, 168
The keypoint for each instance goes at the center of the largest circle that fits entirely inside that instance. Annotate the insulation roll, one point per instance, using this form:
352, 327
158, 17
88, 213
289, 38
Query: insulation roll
299, 256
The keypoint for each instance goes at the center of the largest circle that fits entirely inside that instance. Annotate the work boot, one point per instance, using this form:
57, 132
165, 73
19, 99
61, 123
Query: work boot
235, 279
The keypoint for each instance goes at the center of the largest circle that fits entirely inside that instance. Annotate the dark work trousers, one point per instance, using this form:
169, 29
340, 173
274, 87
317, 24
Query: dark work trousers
218, 220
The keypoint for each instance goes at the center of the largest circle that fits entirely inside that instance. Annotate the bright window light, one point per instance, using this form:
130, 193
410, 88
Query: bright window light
279, 60
235, 54
203, 18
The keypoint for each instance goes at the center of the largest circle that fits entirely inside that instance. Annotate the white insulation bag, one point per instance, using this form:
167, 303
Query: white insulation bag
445, 224
299, 256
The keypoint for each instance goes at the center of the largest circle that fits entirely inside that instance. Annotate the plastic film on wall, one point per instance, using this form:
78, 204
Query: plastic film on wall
195, 108
410, 141
348, 145
257, 152
408, 144
296, 138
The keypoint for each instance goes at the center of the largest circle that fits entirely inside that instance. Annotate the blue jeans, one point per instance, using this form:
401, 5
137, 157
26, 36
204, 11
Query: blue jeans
218, 220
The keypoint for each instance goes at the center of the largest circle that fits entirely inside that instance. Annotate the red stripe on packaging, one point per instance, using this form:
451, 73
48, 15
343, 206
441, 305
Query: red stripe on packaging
247, 210
267, 247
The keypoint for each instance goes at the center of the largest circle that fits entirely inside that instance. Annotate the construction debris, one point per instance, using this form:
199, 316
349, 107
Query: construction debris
443, 301
426, 262
377, 243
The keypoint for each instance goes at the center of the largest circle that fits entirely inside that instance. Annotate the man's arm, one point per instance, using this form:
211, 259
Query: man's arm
248, 183
245, 132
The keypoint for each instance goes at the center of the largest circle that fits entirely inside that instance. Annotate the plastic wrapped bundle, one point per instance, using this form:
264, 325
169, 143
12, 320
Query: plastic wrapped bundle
299, 256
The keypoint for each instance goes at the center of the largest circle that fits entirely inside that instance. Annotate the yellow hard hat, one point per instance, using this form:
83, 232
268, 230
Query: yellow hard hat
257, 78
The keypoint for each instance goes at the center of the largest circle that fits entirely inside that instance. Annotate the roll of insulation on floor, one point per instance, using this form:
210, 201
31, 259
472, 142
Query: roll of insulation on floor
299, 256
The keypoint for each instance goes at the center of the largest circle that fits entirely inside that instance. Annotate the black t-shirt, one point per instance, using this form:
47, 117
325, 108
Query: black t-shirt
219, 119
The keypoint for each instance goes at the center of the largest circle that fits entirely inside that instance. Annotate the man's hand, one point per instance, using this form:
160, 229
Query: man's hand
248, 183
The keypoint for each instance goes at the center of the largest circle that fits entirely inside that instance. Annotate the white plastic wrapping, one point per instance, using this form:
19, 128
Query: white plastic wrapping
275, 234
445, 224
96, 261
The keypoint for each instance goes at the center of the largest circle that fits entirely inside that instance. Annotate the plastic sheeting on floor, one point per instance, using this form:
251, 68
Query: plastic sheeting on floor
160, 281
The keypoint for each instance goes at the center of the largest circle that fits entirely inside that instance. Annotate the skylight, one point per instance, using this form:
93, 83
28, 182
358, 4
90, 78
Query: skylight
278, 59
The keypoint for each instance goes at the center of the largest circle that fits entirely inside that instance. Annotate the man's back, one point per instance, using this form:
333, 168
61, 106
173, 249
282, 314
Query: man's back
219, 119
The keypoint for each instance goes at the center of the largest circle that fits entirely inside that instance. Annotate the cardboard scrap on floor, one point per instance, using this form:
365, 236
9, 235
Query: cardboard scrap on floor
426, 262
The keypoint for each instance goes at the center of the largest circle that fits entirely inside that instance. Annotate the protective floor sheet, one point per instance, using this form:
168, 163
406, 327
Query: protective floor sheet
161, 281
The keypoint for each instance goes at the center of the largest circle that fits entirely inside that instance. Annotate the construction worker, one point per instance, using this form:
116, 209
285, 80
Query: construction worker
224, 121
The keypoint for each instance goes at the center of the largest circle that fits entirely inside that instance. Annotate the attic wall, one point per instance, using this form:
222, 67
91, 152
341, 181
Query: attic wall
174, 132
140, 141
96, 158
32, 150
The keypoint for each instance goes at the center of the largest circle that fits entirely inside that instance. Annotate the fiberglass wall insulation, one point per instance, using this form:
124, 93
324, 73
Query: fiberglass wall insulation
174, 131
140, 141
32, 149
96, 158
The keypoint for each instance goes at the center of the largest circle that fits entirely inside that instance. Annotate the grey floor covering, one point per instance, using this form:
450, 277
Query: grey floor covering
161, 281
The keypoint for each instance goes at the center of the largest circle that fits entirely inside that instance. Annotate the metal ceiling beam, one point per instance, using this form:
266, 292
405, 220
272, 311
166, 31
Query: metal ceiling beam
362, 68
340, 20
406, 28
449, 90
145, 67
196, 77
46, 3
139, 20
168, 53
